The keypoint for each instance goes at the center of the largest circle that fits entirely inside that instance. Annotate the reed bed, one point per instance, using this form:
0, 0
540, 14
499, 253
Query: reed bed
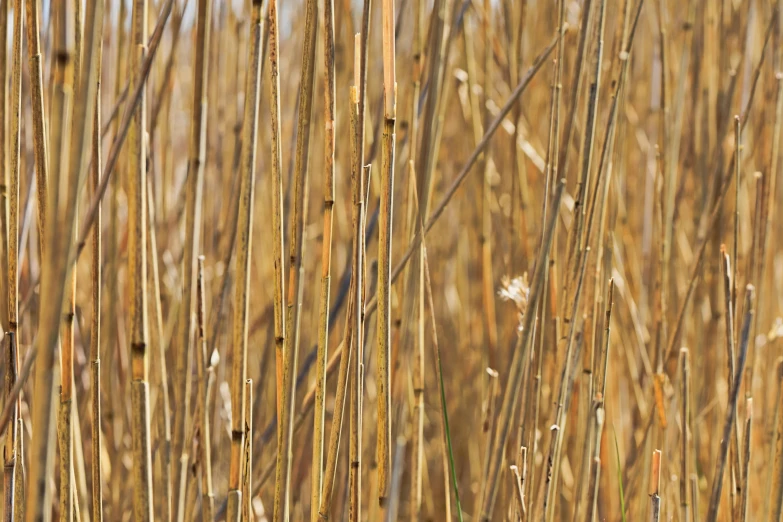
391, 260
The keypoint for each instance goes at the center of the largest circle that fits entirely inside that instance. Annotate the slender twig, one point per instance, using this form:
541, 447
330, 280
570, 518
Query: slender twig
95, 336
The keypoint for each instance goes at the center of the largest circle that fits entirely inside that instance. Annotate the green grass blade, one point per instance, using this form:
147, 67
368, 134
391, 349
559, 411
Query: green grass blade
448, 438
619, 475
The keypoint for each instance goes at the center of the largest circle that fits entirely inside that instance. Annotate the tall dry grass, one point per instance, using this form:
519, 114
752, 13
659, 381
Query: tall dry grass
391, 260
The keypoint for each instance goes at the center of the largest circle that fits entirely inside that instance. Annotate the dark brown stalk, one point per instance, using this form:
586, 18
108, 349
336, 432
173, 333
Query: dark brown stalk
277, 204
717, 485
9, 448
746, 453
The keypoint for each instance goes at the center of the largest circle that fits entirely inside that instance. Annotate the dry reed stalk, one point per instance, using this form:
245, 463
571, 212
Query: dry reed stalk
247, 465
12, 253
243, 253
728, 292
96, 273
467, 167
595, 477
345, 354
356, 370
295, 267
776, 510
112, 324
137, 275
383, 448
4, 163
519, 491
551, 175
316, 478
487, 278
9, 448
40, 131
685, 434
19, 474
12, 259
193, 209
123, 128
594, 429
568, 374
655, 487
589, 139
511, 394
710, 217
54, 275
760, 243
746, 453
277, 202
205, 375
717, 485
163, 480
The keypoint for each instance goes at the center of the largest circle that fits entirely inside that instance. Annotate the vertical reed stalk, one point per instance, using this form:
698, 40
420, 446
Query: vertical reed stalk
54, 271
243, 252
163, 480
383, 450
193, 196
356, 317
316, 478
346, 347
655, 487
293, 304
10, 455
12, 259
205, 376
40, 139
685, 381
137, 275
4, 150
595, 478
277, 201
247, 501
746, 453
96, 273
